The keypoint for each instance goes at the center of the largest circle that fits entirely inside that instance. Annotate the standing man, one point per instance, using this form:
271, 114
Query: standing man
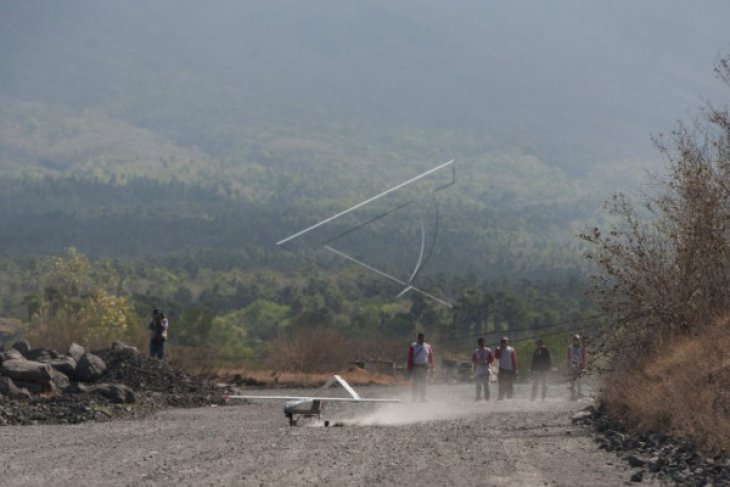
481, 359
576, 361
540, 367
507, 359
420, 359
158, 328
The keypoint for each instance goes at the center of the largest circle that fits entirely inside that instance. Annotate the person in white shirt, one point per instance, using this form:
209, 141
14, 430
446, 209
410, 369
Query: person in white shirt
481, 359
507, 360
420, 360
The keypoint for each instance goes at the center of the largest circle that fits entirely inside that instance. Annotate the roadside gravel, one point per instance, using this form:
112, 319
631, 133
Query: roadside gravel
450, 440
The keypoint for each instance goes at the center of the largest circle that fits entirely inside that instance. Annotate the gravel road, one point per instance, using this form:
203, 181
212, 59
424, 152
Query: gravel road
450, 440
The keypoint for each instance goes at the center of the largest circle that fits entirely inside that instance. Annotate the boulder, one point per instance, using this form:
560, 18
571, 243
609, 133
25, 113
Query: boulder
31, 386
11, 354
58, 381
76, 351
76, 388
89, 368
35, 376
22, 346
27, 370
582, 417
116, 393
10, 389
41, 353
65, 365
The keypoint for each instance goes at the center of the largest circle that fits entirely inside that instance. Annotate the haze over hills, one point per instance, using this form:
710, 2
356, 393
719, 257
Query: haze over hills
250, 119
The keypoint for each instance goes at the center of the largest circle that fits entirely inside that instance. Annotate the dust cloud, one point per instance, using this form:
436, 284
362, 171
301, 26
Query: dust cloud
450, 403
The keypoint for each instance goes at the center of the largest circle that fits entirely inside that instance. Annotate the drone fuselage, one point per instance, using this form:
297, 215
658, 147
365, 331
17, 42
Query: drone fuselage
303, 406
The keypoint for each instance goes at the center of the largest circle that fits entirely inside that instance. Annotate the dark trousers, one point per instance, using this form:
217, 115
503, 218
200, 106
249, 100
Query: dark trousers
419, 374
539, 377
157, 349
505, 383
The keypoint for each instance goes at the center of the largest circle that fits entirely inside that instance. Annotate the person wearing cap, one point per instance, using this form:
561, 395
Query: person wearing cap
481, 359
576, 360
507, 359
540, 367
420, 360
158, 329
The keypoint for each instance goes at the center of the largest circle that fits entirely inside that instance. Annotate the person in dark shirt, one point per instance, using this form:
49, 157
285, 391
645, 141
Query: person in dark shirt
158, 329
540, 368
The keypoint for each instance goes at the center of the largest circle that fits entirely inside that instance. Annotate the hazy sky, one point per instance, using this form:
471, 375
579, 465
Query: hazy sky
566, 79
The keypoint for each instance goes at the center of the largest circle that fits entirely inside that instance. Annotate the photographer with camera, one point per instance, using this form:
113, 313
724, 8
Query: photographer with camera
158, 326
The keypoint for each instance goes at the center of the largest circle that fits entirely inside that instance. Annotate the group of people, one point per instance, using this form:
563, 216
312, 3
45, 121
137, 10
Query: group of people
421, 360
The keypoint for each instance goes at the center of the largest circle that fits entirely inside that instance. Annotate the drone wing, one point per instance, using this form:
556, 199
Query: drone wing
314, 398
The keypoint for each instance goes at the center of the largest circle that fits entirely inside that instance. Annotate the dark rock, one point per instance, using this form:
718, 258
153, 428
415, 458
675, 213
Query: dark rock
59, 380
41, 353
22, 346
76, 351
89, 368
116, 393
10, 389
76, 388
635, 461
638, 476
32, 387
65, 365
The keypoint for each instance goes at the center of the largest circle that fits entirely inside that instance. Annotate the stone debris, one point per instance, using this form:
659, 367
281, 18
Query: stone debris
41, 386
669, 459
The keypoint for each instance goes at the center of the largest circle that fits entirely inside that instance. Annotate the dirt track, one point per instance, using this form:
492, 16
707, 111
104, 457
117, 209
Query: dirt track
448, 441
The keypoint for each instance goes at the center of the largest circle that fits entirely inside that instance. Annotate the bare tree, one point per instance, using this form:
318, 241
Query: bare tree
665, 264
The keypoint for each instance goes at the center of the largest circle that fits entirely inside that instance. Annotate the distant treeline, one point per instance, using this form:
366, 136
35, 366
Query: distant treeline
241, 313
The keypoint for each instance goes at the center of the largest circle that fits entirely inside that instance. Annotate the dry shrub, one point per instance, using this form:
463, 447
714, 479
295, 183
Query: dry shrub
665, 263
683, 391
327, 350
198, 362
59, 335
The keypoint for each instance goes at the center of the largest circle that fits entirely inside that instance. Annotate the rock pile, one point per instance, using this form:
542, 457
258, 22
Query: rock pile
670, 459
39, 385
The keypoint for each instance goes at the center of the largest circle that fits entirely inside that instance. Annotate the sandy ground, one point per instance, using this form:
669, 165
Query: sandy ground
450, 440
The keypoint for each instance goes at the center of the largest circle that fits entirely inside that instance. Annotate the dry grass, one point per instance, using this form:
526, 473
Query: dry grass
326, 350
195, 361
684, 390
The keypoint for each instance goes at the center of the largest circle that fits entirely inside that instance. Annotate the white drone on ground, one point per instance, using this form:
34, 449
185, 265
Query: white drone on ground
297, 407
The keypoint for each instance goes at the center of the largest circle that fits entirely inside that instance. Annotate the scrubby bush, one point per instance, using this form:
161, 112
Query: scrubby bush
664, 282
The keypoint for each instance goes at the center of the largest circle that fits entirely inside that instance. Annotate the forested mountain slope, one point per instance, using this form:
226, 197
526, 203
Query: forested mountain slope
168, 128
